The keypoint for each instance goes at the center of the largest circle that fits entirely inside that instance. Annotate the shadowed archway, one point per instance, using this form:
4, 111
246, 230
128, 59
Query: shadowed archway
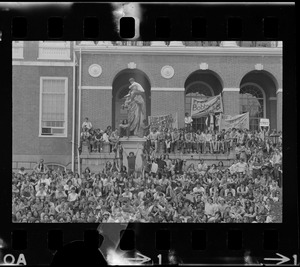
201, 83
258, 97
120, 88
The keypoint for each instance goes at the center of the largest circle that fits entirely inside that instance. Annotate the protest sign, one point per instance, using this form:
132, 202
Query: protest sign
203, 106
169, 121
240, 121
264, 122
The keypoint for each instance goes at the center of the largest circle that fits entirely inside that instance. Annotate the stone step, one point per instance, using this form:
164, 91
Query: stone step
194, 156
97, 161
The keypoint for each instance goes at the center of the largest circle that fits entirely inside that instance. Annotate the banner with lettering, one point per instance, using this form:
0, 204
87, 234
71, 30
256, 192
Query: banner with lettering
238, 121
169, 121
204, 106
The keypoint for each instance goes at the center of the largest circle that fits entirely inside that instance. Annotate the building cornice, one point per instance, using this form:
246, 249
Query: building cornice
42, 63
88, 87
168, 89
185, 50
231, 89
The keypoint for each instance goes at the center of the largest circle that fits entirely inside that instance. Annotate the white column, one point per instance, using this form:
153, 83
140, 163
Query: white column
231, 100
176, 43
158, 43
79, 111
229, 44
74, 111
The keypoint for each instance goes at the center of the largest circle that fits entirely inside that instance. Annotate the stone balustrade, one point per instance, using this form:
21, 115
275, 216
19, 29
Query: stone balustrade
271, 44
52, 50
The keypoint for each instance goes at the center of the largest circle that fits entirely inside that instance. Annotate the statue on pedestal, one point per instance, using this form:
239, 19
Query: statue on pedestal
135, 103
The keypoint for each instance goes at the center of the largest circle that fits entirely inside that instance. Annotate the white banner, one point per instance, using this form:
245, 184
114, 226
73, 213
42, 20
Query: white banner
240, 121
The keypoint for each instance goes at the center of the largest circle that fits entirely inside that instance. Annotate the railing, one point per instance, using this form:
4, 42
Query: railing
132, 43
258, 43
54, 50
202, 43
17, 50
114, 43
185, 43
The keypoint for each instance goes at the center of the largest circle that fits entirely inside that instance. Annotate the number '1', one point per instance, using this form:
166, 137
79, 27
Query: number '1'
295, 259
159, 259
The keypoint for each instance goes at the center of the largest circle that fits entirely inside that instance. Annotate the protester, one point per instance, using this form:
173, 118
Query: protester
188, 121
87, 124
124, 128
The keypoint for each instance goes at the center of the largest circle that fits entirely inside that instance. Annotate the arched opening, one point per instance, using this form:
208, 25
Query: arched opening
258, 97
199, 84
253, 100
120, 88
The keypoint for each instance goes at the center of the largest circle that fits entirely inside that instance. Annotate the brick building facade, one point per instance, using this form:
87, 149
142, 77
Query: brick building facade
89, 80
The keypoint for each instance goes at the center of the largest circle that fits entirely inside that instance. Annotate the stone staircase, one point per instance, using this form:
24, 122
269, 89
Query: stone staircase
96, 161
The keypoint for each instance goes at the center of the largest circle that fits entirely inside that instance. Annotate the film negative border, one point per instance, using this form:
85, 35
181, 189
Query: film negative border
223, 243
59, 21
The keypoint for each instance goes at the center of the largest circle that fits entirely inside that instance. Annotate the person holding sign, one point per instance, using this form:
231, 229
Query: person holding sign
264, 126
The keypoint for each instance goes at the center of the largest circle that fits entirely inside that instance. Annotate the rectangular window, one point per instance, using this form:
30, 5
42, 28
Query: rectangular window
53, 106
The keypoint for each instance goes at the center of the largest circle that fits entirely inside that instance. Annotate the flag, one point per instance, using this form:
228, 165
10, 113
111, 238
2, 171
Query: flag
204, 106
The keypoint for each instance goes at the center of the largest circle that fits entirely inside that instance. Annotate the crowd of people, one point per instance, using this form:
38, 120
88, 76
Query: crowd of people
249, 190
162, 140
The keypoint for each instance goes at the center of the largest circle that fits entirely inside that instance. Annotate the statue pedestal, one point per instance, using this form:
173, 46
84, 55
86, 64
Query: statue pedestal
130, 145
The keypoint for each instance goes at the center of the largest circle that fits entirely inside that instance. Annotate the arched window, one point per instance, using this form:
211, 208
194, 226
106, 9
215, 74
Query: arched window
252, 100
197, 90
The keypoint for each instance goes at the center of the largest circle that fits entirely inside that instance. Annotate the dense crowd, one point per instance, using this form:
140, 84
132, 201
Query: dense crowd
249, 190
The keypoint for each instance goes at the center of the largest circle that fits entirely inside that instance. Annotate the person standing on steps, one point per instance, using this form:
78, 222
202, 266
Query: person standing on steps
131, 160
